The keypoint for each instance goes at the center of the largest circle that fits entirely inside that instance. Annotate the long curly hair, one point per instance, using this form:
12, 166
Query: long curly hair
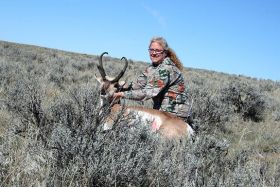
169, 51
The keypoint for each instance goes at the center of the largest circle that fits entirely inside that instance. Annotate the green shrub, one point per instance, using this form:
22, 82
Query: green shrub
246, 100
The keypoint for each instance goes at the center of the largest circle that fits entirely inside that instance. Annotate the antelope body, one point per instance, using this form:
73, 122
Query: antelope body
168, 125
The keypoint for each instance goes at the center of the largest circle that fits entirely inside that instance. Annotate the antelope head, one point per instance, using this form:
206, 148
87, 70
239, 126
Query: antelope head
109, 85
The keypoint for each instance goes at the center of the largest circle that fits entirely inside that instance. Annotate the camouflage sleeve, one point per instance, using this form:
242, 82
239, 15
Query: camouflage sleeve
140, 83
155, 83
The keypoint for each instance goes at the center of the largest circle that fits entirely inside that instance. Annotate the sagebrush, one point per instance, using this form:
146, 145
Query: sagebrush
51, 128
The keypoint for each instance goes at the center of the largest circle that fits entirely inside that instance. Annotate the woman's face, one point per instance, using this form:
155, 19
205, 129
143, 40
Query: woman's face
157, 53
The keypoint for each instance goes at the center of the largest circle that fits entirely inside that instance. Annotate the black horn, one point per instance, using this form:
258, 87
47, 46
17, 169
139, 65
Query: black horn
100, 66
122, 72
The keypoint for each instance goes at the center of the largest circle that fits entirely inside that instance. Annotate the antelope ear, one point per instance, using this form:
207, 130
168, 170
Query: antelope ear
99, 79
121, 83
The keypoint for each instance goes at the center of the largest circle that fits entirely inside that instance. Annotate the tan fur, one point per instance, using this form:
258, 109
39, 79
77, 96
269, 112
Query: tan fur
171, 126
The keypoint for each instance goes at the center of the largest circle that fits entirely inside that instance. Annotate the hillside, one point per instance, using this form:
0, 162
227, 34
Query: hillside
50, 127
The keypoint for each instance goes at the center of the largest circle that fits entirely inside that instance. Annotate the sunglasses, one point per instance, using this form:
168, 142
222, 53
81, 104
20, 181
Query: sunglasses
155, 51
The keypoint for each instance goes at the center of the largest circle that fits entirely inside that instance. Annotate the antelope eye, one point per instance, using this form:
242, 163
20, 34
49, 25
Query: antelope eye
102, 92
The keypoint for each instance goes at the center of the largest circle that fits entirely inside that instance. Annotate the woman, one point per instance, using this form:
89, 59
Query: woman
162, 81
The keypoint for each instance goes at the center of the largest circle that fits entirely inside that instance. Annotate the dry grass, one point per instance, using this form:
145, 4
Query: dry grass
51, 131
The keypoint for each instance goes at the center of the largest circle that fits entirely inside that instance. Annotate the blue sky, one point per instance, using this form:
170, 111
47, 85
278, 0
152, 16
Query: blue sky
231, 36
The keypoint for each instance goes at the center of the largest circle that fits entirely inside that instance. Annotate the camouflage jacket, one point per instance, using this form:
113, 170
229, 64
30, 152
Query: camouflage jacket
164, 84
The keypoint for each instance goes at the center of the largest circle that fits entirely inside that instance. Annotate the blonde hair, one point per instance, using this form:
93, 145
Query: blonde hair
169, 52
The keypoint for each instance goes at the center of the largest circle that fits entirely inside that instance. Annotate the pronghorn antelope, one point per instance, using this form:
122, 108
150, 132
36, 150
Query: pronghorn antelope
166, 124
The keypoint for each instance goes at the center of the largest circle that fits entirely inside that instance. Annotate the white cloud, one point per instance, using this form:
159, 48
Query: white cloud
156, 15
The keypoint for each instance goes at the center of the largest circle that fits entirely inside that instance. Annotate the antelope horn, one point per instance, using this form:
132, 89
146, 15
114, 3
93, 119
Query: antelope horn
122, 72
100, 66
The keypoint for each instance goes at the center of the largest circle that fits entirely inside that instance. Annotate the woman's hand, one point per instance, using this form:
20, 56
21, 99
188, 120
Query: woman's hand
118, 95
